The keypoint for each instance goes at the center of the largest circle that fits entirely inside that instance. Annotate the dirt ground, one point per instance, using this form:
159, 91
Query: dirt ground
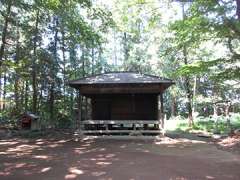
168, 159
231, 144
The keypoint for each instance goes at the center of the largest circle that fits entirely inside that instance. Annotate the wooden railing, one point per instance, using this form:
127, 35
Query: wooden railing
128, 127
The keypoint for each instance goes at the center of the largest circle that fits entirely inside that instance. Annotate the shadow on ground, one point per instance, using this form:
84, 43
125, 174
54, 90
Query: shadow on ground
172, 159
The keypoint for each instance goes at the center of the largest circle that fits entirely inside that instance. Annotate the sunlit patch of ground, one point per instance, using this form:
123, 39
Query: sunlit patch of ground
167, 140
230, 143
89, 159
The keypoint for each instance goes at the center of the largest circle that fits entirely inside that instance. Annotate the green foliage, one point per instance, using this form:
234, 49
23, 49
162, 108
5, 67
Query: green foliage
41, 33
210, 21
197, 68
62, 40
210, 125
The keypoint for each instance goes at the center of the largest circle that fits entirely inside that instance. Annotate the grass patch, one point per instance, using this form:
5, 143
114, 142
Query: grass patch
220, 125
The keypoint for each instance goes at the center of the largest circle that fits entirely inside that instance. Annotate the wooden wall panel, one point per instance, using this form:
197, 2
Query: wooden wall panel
125, 107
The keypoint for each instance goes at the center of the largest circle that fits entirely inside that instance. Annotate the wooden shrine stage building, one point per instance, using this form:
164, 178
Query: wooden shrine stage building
120, 103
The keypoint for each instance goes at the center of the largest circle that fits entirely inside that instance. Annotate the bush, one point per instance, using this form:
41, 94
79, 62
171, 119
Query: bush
220, 125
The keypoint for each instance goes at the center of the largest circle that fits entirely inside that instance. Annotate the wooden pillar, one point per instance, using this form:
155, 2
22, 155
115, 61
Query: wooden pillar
86, 108
89, 109
79, 115
161, 110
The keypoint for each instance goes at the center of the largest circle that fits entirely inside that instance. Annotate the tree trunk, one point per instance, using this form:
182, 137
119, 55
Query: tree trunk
83, 61
115, 48
189, 102
93, 60
34, 74
26, 96
187, 80
238, 9
72, 57
227, 108
22, 95
53, 72
2, 48
174, 106
4, 32
16, 84
4, 90
188, 92
215, 99
0, 91
194, 96
125, 47
40, 96
64, 65
51, 102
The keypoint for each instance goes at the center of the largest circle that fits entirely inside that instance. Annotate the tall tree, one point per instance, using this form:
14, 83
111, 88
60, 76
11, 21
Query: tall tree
2, 47
187, 80
5, 29
34, 59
